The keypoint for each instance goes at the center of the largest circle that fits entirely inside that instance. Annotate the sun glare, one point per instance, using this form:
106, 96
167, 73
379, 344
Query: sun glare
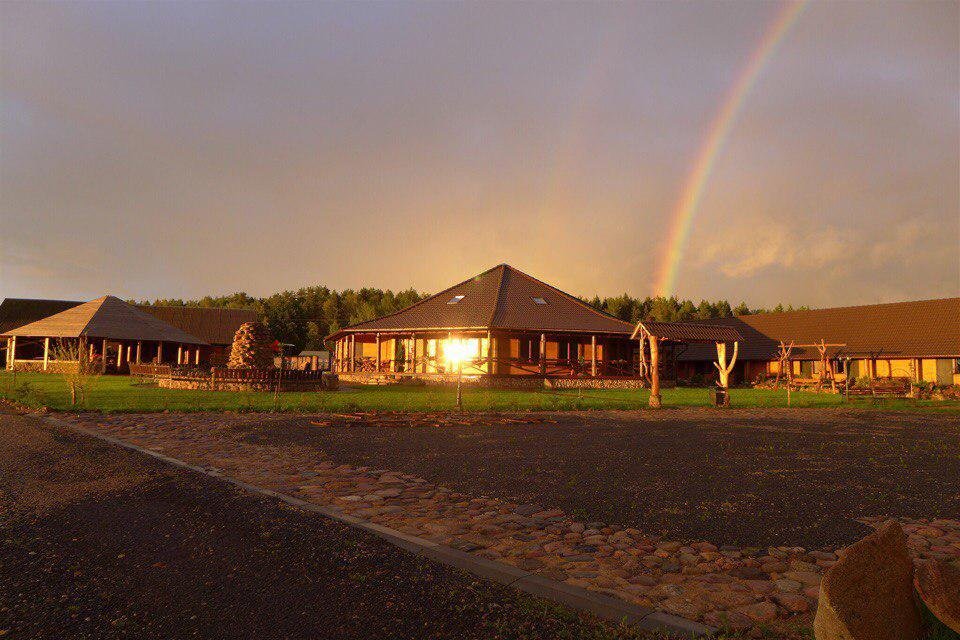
458, 351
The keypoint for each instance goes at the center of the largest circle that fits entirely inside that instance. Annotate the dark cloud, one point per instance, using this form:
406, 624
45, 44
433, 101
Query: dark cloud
179, 149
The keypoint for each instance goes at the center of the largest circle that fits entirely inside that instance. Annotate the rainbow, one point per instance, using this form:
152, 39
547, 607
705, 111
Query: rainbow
696, 181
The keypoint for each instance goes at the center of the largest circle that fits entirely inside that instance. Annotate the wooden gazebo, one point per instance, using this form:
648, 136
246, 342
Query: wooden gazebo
107, 330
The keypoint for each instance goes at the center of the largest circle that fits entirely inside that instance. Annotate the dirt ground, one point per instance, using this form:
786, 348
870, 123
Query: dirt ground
101, 543
750, 477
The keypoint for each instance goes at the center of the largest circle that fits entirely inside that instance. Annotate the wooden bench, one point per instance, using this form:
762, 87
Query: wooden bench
884, 388
804, 383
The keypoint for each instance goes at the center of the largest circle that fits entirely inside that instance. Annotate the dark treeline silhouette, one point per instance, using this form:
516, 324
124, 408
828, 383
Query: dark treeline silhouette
304, 317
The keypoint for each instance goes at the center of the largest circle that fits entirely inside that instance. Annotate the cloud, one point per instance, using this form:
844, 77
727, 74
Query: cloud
761, 245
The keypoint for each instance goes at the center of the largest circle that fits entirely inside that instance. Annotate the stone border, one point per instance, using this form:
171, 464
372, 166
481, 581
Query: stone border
600, 605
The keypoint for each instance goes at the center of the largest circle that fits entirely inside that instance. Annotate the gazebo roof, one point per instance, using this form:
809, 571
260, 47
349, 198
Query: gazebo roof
689, 332
107, 317
501, 298
16, 312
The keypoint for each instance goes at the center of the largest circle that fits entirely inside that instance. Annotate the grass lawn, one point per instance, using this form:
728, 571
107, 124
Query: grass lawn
122, 393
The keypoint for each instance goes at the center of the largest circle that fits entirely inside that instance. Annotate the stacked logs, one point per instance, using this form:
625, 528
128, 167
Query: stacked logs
252, 347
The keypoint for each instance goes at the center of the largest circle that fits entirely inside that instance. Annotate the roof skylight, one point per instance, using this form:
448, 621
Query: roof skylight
539, 301
455, 299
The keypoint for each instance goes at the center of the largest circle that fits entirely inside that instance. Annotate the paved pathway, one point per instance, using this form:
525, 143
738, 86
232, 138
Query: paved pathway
707, 581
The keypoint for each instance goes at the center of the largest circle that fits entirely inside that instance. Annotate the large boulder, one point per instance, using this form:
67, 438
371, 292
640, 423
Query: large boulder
868, 593
938, 584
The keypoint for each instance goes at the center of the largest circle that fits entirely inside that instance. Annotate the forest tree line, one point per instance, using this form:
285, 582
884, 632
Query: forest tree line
304, 317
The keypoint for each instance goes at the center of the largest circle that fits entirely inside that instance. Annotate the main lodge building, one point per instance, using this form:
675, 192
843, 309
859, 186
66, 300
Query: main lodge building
507, 322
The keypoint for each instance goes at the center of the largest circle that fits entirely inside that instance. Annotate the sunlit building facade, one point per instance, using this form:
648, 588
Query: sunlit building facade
500, 323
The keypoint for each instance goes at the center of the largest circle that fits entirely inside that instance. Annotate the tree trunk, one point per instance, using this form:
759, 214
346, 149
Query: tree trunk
655, 400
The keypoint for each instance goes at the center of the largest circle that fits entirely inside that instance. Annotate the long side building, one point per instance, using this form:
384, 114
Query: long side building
918, 340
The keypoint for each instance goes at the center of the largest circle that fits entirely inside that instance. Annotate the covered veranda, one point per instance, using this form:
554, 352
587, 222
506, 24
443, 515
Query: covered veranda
107, 334
488, 353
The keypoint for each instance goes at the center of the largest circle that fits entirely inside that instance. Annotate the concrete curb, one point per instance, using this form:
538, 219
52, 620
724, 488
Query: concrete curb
600, 605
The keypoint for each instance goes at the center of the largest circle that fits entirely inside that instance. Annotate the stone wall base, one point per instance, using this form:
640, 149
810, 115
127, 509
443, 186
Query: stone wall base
532, 383
36, 366
329, 383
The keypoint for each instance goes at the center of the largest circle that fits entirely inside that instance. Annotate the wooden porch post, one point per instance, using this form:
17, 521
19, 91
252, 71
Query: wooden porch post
139, 350
543, 354
655, 400
489, 352
160, 352
103, 356
593, 356
413, 350
378, 353
179, 354
129, 352
196, 355
13, 352
90, 356
9, 348
46, 353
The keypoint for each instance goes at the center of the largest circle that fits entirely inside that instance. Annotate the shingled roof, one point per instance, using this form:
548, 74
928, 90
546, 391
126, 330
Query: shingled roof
213, 325
16, 312
918, 329
689, 332
501, 298
107, 317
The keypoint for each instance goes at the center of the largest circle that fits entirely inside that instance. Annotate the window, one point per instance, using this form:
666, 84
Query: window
455, 299
539, 301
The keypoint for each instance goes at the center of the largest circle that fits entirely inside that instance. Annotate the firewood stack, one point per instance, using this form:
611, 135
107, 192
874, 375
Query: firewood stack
252, 347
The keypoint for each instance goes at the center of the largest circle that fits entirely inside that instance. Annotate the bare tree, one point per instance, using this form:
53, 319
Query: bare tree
70, 360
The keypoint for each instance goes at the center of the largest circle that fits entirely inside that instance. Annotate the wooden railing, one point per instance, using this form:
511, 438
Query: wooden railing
551, 367
264, 375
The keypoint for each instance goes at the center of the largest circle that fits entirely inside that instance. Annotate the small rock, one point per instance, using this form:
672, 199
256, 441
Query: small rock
759, 612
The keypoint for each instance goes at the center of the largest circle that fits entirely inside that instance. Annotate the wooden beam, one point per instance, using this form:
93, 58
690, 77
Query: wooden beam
160, 352
378, 353
139, 350
46, 353
103, 356
179, 354
196, 355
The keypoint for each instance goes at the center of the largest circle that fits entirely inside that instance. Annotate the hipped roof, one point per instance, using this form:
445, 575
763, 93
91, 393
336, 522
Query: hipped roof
107, 317
16, 312
499, 298
916, 329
